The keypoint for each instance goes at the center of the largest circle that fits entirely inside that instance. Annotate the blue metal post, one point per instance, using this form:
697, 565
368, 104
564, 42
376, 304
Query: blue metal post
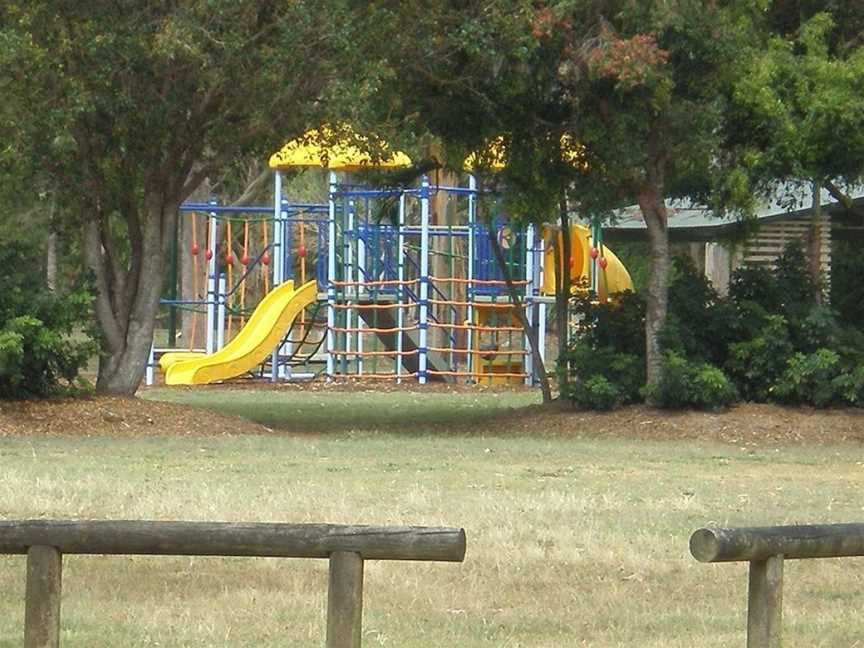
331, 277
422, 347
211, 280
529, 301
275, 259
469, 290
220, 313
400, 291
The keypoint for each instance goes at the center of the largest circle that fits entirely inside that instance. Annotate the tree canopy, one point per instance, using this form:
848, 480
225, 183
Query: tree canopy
128, 106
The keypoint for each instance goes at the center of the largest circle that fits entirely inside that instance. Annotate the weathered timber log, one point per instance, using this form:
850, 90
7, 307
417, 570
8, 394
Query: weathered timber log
42, 598
765, 603
345, 601
233, 539
760, 543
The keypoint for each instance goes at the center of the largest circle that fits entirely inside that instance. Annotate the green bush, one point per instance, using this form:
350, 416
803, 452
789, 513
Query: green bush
595, 393
700, 324
847, 289
850, 386
623, 372
619, 324
755, 365
812, 379
41, 334
687, 384
767, 341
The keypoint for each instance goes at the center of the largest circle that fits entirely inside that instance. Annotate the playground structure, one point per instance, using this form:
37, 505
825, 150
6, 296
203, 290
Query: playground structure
407, 278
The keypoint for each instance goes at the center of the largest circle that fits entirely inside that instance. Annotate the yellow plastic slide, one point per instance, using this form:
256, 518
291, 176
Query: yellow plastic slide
613, 279
255, 341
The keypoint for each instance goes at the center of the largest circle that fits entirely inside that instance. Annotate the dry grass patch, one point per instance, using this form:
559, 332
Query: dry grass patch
571, 541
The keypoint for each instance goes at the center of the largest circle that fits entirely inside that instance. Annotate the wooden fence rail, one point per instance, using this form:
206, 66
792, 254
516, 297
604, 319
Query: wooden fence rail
765, 548
45, 541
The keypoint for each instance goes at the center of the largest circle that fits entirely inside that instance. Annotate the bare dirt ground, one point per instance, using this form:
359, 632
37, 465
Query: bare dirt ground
116, 416
746, 424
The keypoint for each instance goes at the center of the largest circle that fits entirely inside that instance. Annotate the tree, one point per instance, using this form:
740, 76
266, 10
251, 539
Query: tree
797, 112
128, 106
637, 88
648, 83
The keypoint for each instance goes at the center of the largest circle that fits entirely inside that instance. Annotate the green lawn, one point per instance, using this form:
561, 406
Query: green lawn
571, 542
405, 412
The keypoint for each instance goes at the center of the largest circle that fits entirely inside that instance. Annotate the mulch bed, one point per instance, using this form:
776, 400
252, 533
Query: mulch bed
743, 425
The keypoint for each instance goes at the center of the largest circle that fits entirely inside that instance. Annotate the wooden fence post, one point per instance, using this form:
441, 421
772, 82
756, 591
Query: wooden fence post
42, 598
765, 603
345, 600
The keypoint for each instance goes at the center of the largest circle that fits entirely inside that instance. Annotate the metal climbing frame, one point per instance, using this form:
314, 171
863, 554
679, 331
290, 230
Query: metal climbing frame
409, 298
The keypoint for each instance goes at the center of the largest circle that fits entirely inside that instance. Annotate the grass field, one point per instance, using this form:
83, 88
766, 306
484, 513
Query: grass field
571, 542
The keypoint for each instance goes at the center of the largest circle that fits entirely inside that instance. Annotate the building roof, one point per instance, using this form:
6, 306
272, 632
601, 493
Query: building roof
697, 222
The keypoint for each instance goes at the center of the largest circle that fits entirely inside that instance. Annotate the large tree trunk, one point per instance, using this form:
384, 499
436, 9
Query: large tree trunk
814, 242
563, 283
51, 261
51, 249
127, 297
653, 208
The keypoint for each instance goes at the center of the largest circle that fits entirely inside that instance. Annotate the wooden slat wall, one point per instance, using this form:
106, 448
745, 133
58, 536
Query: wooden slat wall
764, 248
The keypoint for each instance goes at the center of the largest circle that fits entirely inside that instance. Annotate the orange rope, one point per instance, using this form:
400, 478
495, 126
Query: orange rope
476, 327
302, 258
480, 282
477, 351
194, 278
243, 286
392, 282
374, 330
375, 353
452, 302
474, 374
265, 268
375, 376
302, 268
372, 306
229, 255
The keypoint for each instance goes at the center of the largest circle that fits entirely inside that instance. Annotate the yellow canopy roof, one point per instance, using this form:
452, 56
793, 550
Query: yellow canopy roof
310, 150
495, 155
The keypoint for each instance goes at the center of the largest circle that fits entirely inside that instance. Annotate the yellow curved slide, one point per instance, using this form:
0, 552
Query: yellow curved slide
613, 279
255, 341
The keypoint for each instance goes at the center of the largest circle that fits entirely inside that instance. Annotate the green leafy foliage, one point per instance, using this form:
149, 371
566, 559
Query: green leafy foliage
129, 107
815, 379
42, 343
767, 341
686, 385
596, 393
700, 324
847, 289
756, 364
598, 372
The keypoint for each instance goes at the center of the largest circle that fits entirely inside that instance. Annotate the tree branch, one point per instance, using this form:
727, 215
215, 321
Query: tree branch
843, 198
111, 330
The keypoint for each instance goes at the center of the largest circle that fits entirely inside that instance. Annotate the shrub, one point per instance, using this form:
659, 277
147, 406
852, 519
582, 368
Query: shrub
691, 385
41, 339
625, 370
813, 379
619, 324
850, 386
847, 289
699, 323
595, 393
757, 364
769, 336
